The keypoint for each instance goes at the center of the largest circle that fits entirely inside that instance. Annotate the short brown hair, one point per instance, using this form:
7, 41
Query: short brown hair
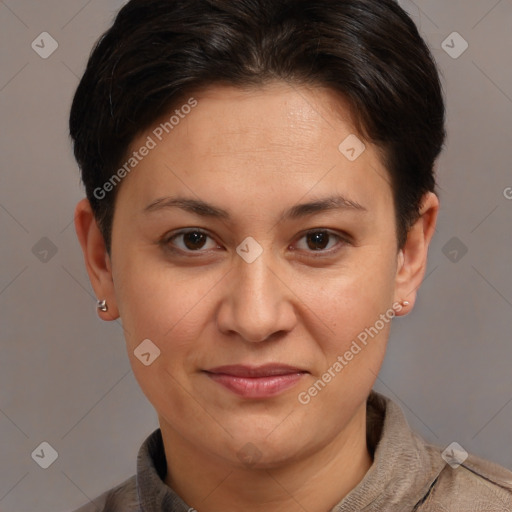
369, 51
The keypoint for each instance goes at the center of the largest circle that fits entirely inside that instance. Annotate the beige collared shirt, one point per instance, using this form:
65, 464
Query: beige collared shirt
407, 475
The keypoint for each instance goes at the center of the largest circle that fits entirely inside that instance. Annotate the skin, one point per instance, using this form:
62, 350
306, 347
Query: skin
256, 153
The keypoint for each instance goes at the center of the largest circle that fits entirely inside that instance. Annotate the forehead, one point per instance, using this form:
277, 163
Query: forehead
277, 139
274, 117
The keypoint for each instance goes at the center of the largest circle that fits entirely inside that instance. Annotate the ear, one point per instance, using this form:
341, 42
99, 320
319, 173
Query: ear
97, 260
412, 258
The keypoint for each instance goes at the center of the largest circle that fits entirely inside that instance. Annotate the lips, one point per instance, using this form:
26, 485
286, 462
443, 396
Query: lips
267, 370
256, 381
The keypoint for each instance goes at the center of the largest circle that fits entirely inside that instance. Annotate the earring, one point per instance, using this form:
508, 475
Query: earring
102, 305
405, 303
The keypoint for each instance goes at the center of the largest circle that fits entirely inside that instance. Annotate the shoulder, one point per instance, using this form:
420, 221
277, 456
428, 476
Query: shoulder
475, 485
122, 498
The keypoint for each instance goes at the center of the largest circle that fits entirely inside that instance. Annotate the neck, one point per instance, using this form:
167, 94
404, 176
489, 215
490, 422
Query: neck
316, 482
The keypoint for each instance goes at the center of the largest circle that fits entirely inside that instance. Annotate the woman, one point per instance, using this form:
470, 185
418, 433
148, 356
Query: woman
260, 202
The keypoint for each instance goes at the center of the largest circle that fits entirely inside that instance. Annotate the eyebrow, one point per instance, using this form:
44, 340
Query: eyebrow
204, 209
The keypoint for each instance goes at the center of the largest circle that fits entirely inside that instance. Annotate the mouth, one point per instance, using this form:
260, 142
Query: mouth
256, 381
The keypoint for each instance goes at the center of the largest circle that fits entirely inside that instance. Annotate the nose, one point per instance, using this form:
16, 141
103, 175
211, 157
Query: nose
258, 303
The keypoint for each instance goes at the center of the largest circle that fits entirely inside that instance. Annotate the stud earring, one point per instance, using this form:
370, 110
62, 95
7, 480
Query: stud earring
405, 303
102, 305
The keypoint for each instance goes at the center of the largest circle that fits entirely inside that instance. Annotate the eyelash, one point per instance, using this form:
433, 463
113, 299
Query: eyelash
166, 242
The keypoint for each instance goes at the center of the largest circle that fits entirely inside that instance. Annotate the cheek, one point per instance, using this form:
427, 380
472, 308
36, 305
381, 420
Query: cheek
162, 306
357, 310
352, 356
156, 300
350, 298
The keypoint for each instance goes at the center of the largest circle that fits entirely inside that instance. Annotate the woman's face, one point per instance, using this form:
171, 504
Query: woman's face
260, 281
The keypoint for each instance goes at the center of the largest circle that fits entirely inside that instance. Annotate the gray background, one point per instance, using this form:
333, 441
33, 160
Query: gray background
64, 374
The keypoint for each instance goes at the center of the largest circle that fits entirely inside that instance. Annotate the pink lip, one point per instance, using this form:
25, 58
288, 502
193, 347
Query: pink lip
256, 382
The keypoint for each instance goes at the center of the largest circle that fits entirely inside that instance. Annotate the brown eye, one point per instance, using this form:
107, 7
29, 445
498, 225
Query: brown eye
190, 241
194, 240
321, 241
317, 240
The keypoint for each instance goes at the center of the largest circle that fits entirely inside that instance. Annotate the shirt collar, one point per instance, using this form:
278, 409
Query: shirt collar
403, 469
404, 466
154, 494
